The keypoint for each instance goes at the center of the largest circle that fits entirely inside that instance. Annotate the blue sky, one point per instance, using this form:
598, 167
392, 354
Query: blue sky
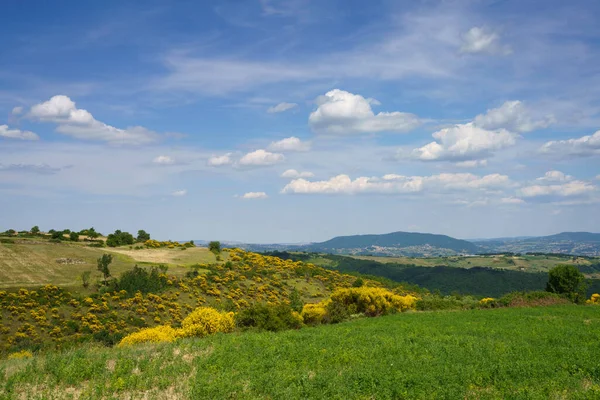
295, 121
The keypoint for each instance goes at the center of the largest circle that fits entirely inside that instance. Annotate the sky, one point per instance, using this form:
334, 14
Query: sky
295, 121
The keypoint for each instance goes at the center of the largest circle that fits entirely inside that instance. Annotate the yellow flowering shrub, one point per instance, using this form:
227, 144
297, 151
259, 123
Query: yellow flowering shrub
595, 299
205, 321
314, 313
372, 301
20, 354
161, 333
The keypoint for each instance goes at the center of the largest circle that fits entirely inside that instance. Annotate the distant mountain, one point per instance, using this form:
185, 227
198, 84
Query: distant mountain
394, 244
576, 243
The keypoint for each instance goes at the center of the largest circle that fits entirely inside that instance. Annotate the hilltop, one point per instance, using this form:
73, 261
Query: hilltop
577, 243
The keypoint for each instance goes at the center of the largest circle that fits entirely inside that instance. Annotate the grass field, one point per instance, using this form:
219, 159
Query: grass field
518, 353
29, 263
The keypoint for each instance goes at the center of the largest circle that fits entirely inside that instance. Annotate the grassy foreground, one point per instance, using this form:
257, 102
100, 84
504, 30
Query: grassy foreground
518, 353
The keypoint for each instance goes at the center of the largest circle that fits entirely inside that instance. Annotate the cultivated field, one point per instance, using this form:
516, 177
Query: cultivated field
30, 263
516, 263
515, 353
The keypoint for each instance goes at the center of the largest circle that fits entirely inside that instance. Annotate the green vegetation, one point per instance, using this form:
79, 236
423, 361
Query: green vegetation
476, 280
119, 239
567, 280
214, 247
518, 353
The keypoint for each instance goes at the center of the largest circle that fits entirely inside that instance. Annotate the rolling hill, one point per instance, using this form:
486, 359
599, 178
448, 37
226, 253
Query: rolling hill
578, 243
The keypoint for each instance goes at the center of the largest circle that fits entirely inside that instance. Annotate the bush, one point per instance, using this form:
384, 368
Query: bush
215, 246
435, 303
531, 299
119, 239
108, 339
139, 279
74, 237
594, 299
205, 321
269, 317
314, 313
161, 333
20, 354
372, 301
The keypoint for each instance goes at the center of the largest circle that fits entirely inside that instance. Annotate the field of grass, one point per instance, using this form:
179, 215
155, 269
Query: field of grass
517, 353
525, 263
30, 262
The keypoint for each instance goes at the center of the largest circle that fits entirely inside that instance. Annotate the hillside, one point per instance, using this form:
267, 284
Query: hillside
396, 243
528, 353
577, 243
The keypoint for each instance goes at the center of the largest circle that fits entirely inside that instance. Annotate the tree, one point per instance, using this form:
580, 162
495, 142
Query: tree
142, 236
35, 230
92, 234
119, 239
358, 282
74, 236
103, 263
57, 235
567, 280
215, 246
85, 278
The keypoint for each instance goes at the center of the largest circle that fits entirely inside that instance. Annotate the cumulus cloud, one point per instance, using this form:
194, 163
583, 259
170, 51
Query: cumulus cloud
5, 132
255, 195
513, 116
261, 158
17, 110
281, 107
464, 142
219, 161
289, 144
573, 188
163, 160
340, 112
179, 193
397, 184
471, 164
294, 174
584, 146
480, 40
80, 124
555, 176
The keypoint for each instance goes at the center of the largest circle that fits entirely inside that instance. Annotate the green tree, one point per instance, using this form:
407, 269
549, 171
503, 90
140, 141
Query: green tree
142, 236
358, 282
119, 238
57, 235
103, 263
74, 236
215, 246
567, 280
35, 230
92, 234
85, 278
296, 302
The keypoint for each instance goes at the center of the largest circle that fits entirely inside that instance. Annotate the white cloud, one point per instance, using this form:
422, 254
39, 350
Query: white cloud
281, 107
179, 193
584, 146
513, 116
261, 158
464, 142
397, 184
294, 174
39, 169
289, 144
471, 164
340, 112
80, 124
573, 188
255, 195
512, 200
17, 134
480, 40
555, 176
163, 160
218, 161
17, 110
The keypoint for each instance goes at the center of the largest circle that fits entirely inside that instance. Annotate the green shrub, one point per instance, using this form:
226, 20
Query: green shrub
567, 280
529, 299
269, 317
434, 303
142, 280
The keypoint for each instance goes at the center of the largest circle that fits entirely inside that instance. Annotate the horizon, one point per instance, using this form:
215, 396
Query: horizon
295, 122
